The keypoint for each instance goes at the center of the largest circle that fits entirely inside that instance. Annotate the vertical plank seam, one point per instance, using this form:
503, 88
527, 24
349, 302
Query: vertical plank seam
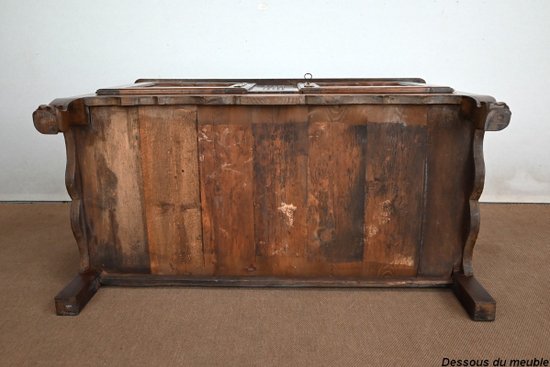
213, 212
332, 197
308, 125
306, 199
135, 111
254, 180
420, 268
424, 206
366, 198
199, 183
82, 211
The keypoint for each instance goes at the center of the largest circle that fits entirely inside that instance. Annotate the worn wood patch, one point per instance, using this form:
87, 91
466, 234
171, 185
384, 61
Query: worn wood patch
450, 176
246, 115
362, 114
108, 151
395, 179
169, 162
226, 179
280, 194
336, 191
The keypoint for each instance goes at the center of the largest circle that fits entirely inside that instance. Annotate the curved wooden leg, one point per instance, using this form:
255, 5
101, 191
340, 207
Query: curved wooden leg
72, 299
476, 300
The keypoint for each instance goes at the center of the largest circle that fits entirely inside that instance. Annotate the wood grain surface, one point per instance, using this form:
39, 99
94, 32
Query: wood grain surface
275, 182
395, 205
288, 191
109, 157
449, 181
169, 163
227, 179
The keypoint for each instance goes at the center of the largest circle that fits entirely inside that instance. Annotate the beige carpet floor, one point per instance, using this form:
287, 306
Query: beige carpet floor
269, 327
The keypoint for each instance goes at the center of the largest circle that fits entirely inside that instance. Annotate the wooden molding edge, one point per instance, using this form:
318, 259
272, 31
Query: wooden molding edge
60, 114
72, 182
487, 115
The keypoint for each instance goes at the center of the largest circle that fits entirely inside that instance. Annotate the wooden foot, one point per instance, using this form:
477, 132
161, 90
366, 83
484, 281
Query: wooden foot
72, 299
476, 300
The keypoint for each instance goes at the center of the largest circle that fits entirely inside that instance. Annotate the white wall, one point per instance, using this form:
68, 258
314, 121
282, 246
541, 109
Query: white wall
53, 49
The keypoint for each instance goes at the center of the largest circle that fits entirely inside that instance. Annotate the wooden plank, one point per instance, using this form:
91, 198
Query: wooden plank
371, 89
226, 179
208, 185
169, 163
395, 178
108, 155
410, 118
450, 173
336, 190
363, 114
247, 115
280, 194
72, 182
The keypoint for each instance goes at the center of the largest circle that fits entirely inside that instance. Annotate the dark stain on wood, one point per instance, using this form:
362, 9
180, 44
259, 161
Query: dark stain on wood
449, 170
280, 196
111, 187
348, 241
108, 250
336, 191
395, 176
108, 182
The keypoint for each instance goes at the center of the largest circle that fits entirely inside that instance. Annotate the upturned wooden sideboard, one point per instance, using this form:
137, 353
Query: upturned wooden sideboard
275, 182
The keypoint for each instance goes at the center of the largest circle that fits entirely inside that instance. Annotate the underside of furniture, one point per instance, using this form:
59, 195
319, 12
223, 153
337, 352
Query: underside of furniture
275, 183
